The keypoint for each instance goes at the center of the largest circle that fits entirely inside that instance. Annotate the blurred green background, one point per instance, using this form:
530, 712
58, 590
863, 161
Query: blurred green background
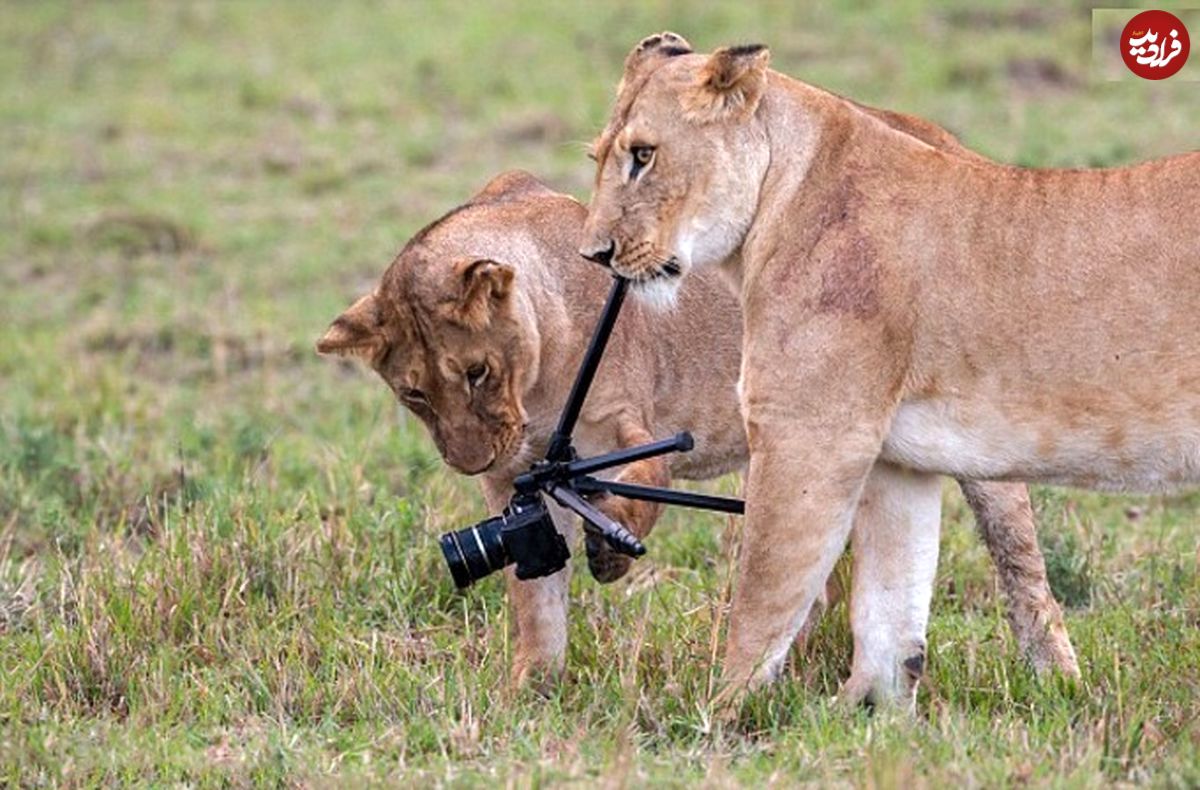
216, 562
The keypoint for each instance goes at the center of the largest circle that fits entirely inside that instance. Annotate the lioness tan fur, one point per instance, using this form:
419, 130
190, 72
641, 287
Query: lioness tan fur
906, 308
478, 327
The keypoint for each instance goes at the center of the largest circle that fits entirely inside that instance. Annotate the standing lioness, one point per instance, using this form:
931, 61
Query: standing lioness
907, 309
478, 327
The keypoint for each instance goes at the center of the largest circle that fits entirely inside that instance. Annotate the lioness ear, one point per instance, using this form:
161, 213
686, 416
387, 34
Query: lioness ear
483, 286
661, 45
358, 332
730, 83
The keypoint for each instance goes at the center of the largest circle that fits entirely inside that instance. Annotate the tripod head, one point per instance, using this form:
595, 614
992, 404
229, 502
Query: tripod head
524, 533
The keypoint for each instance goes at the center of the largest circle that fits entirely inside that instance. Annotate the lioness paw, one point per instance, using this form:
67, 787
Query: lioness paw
539, 677
606, 564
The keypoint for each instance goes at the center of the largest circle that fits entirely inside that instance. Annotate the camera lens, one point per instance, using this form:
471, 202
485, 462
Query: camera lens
474, 552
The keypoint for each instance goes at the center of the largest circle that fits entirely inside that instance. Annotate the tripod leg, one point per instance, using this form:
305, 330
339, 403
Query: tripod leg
616, 534
605, 563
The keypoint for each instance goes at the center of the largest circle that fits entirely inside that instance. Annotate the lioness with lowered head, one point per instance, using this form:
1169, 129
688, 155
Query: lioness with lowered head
478, 327
905, 308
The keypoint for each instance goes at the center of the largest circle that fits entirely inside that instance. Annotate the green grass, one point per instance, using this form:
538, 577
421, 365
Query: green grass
217, 561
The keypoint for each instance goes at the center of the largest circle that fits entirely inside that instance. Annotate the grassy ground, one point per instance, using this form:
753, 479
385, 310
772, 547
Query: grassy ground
216, 552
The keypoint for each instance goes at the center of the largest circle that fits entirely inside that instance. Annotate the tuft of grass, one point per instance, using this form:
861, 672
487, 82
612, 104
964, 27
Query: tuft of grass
217, 563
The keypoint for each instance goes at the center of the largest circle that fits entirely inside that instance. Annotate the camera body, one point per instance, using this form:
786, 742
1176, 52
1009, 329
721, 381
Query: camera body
524, 534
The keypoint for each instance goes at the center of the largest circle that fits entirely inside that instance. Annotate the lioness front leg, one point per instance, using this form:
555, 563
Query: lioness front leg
895, 541
801, 493
538, 607
1004, 516
815, 428
606, 564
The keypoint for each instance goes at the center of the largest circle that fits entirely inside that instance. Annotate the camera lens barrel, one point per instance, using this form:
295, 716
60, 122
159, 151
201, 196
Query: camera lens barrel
524, 534
474, 552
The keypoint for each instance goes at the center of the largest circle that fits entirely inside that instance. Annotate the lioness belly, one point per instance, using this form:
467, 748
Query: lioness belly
1114, 452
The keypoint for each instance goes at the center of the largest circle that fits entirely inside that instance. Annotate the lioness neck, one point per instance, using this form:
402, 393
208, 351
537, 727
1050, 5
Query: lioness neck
547, 313
559, 297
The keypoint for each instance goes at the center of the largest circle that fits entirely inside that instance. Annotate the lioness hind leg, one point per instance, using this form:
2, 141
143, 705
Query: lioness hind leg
1005, 518
895, 542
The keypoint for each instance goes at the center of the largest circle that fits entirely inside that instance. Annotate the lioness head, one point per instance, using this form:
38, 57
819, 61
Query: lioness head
680, 163
446, 331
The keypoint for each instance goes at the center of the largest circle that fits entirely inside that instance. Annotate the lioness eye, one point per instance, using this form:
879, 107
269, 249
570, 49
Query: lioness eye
476, 374
642, 156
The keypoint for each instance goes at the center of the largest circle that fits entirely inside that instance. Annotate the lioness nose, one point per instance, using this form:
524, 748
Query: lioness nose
603, 257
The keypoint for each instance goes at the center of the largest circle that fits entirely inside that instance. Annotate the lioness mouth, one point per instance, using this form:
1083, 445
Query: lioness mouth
666, 271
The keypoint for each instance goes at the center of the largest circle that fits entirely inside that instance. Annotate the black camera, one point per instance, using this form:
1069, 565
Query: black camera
523, 534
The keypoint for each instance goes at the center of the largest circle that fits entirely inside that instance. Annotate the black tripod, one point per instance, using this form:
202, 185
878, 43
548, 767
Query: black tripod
564, 476
525, 534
